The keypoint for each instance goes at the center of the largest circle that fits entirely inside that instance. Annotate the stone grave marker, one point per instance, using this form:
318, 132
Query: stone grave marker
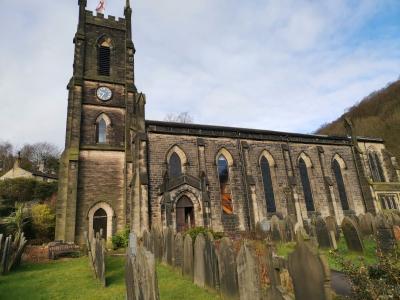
178, 253
211, 263
385, 237
332, 240
275, 290
396, 232
276, 232
322, 232
289, 229
262, 229
146, 239
310, 273
365, 222
130, 284
145, 270
199, 272
248, 274
333, 226
187, 267
352, 235
227, 270
132, 245
157, 242
170, 239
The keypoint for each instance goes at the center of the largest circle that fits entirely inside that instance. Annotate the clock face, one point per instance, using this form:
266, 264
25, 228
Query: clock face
104, 93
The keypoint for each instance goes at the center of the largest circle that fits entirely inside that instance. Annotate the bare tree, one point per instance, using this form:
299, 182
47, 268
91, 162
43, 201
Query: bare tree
6, 157
183, 117
40, 155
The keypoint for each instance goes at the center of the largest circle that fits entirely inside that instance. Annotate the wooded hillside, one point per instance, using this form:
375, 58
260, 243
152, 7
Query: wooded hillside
377, 115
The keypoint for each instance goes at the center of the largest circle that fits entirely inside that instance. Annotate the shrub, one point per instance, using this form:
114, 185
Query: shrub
121, 239
43, 221
193, 232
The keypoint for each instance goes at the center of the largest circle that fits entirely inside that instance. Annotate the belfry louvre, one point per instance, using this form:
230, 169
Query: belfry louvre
119, 169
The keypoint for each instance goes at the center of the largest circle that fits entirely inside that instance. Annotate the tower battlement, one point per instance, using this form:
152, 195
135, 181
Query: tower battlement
109, 21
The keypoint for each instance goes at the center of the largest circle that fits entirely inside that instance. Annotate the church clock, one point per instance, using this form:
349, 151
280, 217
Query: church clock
104, 93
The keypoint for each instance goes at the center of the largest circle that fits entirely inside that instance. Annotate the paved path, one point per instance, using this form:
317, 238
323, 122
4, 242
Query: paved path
340, 283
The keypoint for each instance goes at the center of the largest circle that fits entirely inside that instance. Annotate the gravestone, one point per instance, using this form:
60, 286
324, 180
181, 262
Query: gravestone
164, 243
274, 268
322, 232
130, 284
157, 242
332, 240
199, 261
170, 239
309, 272
352, 235
227, 270
178, 253
276, 232
132, 245
396, 232
289, 229
211, 263
366, 224
262, 229
248, 274
187, 267
146, 239
333, 226
100, 260
384, 235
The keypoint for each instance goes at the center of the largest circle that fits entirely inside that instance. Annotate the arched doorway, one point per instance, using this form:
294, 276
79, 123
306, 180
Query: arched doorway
100, 222
184, 214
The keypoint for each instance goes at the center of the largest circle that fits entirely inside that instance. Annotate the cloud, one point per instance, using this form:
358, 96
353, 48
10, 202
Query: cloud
281, 65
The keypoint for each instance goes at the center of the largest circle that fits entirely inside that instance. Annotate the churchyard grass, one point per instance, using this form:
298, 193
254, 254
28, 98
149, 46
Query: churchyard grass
369, 257
73, 279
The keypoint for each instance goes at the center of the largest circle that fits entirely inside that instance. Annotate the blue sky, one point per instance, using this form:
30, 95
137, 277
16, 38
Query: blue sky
288, 65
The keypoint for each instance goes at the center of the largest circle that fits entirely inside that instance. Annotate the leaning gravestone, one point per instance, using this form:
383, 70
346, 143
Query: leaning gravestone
227, 270
199, 262
309, 272
333, 226
211, 263
322, 232
248, 274
187, 267
352, 235
385, 235
276, 232
178, 253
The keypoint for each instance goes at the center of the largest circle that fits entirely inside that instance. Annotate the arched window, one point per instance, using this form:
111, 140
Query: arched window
100, 222
305, 182
101, 131
175, 166
337, 171
104, 56
376, 167
223, 175
267, 181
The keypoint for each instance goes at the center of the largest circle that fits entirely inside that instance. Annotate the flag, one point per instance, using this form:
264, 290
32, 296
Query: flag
101, 7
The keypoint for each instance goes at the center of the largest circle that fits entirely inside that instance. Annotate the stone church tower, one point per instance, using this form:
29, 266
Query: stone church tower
105, 125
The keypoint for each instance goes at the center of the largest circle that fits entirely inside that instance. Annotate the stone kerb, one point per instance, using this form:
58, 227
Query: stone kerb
227, 269
352, 235
187, 267
178, 253
248, 274
309, 272
199, 261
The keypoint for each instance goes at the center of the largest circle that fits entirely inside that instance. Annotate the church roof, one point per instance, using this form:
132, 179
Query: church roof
246, 133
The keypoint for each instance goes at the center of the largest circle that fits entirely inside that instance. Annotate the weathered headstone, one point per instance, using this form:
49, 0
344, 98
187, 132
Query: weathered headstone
322, 232
211, 263
187, 267
132, 245
227, 270
385, 236
332, 240
146, 239
310, 273
352, 235
248, 274
262, 229
276, 232
275, 290
289, 229
396, 232
333, 226
170, 239
157, 241
178, 253
199, 273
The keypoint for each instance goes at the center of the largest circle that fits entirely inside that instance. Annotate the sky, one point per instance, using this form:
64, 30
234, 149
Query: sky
286, 65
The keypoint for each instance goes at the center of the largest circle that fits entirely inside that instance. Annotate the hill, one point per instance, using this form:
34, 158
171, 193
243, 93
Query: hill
377, 115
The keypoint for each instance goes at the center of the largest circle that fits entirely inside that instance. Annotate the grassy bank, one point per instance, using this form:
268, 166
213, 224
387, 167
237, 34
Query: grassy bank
73, 279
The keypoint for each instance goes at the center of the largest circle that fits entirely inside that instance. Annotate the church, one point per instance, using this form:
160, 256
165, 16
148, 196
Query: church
121, 170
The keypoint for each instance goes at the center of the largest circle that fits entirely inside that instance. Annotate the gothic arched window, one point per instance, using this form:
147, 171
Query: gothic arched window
104, 56
101, 131
267, 181
337, 171
174, 166
305, 182
223, 175
376, 167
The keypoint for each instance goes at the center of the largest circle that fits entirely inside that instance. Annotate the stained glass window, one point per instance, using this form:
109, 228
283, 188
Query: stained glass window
223, 175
